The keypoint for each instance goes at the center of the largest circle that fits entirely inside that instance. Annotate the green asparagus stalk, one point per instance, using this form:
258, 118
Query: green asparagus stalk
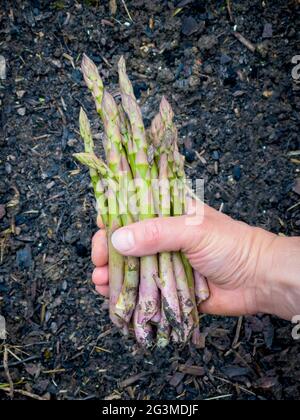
148, 292
166, 269
116, 156
116, 261
183, 269
146, 194
93, 80
99, 191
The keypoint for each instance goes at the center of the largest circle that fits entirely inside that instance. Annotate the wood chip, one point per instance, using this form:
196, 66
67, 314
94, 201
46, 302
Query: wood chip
176, 379
192, 370
133, 379
248, 44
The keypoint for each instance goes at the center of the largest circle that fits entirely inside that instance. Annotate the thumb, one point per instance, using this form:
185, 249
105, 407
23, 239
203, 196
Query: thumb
163, 234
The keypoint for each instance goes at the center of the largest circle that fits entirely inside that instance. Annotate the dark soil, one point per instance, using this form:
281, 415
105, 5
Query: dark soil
239, 109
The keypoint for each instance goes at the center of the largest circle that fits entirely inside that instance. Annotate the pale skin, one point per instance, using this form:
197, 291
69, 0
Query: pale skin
248, 269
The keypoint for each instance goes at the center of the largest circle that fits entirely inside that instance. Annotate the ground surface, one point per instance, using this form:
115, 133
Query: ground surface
239, 110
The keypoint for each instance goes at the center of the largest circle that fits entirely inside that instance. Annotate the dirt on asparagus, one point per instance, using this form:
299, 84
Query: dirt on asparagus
237, 111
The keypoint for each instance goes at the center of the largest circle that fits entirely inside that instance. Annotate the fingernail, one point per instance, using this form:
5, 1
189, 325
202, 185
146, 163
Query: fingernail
123, 240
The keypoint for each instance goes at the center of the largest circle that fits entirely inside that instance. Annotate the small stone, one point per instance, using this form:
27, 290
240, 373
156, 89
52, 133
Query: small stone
71, 142
20, 93
190, 26
50, 185
296, 188
268, 31
190, 155
56, 63
231, 179
2, 68
216, 155
53, 327
21, 111
64, 285
208, 69
193, 81
24, 258
8, 168
225, 59
207, 42
33, 369
237, 173
267, 93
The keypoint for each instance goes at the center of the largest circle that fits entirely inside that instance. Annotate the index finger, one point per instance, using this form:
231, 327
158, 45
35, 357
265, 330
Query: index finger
99, 249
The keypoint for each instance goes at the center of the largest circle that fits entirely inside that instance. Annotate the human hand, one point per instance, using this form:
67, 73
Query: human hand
236, 259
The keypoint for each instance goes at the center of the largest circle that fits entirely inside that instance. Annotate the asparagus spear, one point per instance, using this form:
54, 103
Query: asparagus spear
166, 269
116, 156
184, 273
92, 80
148, 292
99, 191
116, 261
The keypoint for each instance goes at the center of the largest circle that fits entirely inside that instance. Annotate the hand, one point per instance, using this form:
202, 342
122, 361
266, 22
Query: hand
237, 260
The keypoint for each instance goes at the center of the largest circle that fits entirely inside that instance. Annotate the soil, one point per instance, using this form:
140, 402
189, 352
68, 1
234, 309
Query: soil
237, 112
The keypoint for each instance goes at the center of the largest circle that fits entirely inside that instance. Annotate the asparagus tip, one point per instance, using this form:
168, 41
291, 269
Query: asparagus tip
166, 110
90, 73
83, 119
122, 64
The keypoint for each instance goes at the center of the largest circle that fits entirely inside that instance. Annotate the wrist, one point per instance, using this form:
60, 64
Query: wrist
279, 286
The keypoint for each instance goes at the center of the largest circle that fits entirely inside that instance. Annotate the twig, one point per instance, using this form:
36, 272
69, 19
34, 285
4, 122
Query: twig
294, 206
219, 397
248, 44
6, 370
26, 394
229, 10
127, 11
21, 362
226, 381
238, 332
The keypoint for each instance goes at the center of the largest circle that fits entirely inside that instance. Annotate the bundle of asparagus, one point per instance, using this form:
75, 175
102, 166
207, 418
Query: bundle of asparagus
158, 296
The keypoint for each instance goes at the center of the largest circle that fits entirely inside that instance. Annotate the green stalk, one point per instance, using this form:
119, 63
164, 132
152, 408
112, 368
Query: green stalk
116, 261
166, 269
93, 80
185, 275
99, 191
116, 157
118, 164
148, 292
